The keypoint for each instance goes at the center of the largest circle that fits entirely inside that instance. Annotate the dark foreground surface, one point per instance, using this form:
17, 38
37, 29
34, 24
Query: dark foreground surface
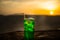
39, 35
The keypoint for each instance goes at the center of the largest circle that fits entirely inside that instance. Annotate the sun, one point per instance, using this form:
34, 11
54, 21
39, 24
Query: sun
51, 12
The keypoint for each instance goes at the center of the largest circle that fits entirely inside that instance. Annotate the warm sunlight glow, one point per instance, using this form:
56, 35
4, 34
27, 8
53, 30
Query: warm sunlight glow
49, 6
33, 7
51, 12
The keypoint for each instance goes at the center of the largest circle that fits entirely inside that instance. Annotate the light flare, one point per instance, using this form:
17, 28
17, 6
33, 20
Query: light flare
47, 5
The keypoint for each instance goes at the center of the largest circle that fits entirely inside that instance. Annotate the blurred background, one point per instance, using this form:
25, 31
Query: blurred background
45, 12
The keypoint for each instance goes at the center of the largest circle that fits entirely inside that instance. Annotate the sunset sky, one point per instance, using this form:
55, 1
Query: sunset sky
30, 7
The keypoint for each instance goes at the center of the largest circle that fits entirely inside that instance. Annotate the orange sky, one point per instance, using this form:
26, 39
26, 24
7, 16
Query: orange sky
36, 7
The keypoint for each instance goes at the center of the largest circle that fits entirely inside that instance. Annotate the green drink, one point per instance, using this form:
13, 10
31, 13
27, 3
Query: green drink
29, 28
